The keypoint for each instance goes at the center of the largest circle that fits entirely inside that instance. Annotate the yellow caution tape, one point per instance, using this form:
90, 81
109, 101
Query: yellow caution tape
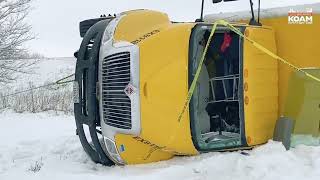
257, 45
196, 76
265, 50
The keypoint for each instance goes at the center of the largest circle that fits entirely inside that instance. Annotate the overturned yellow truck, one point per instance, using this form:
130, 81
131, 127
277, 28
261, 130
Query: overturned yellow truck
133, 95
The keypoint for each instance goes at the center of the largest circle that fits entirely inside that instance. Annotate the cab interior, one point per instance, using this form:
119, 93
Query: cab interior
216, 106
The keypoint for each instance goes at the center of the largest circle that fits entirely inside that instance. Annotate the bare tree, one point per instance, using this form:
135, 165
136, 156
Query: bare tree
14, 32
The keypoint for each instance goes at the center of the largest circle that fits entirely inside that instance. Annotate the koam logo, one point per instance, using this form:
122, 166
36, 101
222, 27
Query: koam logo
300, 17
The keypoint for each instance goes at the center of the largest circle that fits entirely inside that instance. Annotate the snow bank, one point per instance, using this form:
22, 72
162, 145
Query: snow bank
44, 146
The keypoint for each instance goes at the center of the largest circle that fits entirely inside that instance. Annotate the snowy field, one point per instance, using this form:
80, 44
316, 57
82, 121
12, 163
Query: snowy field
44, 146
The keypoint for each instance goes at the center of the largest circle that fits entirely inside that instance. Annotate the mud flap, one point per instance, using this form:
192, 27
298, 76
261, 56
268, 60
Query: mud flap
283, 130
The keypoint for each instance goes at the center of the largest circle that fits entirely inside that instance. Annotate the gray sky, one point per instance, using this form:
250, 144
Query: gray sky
55, 22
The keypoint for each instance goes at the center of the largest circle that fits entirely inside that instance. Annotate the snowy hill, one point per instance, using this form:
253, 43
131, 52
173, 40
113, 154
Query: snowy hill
46, 70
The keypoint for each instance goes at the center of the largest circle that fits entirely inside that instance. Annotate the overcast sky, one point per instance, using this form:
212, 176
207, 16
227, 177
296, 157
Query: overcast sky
55, 22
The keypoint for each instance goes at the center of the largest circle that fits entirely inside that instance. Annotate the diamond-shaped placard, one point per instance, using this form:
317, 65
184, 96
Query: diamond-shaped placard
129, 90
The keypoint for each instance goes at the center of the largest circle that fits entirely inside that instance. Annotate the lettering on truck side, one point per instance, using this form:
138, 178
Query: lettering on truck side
146, 142
145, 36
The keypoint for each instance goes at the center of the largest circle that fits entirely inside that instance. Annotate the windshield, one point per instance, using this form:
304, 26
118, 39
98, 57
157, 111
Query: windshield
215, 107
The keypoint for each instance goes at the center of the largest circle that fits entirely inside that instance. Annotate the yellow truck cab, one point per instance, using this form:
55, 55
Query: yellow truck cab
134, 72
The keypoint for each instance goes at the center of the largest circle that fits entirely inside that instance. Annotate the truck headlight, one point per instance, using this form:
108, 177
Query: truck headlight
112, 151
110, 29
107, 35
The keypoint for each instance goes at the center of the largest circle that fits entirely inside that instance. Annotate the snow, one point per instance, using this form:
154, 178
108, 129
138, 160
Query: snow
48, 140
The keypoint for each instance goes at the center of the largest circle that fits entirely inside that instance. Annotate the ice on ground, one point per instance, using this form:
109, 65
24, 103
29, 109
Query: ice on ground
44, 146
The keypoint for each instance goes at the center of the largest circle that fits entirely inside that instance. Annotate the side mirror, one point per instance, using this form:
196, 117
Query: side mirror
218, 1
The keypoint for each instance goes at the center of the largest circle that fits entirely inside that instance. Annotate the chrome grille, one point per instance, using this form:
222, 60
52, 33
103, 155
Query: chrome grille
116, 105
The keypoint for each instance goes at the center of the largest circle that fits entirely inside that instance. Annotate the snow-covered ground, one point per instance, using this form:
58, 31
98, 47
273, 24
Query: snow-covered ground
44, 146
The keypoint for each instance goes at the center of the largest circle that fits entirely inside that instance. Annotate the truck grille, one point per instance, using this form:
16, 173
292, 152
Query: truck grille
116, 105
